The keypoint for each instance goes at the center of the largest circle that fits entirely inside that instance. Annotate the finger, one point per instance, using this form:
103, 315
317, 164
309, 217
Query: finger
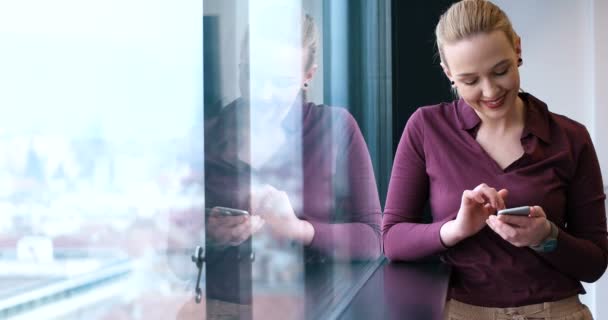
489, 209
270, 203
491, 194
265, 205
267, 190
284, 203
227, 222
516, 221
473, 196
235, 241
282, 197
221, 236
481, 186
534, 213
537, 212
258, 194
242, 228
241, 232
492, 222
503, 194
224, 228
503, 229
481, 189
496, 198
256, 224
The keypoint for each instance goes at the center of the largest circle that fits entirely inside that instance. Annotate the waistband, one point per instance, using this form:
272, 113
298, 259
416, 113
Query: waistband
558, 308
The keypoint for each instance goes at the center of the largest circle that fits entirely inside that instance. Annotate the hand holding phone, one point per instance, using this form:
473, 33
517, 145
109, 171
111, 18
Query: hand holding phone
517, 211
230, 227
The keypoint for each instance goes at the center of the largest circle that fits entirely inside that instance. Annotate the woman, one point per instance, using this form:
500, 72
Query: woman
494, 148
309, 174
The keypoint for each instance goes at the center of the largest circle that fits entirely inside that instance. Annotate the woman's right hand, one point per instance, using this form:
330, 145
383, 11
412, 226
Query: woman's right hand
476, 206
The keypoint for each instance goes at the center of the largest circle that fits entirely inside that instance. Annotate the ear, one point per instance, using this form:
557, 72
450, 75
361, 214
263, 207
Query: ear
518, 47
446, 70
310, 73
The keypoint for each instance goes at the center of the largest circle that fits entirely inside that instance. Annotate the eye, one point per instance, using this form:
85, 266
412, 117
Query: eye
470, 82
501, 73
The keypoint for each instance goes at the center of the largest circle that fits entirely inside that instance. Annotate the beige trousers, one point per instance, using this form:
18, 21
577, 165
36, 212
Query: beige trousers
567, 309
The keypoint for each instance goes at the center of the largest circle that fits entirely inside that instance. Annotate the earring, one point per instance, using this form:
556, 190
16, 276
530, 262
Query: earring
305, 84
452, 83
519, 62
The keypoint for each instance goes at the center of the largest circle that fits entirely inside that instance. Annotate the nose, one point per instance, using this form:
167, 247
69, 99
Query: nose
490, 89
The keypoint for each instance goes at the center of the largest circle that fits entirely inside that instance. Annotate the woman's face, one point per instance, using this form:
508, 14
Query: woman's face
272, 76
485, 71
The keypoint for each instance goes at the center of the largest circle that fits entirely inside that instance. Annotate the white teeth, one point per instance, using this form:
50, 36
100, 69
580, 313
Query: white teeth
493, 103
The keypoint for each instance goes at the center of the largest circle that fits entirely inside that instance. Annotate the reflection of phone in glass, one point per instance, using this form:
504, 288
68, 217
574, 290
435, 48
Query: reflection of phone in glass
227, 212
517, 211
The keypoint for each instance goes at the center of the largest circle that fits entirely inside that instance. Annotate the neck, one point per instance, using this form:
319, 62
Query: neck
271, 115
514, 120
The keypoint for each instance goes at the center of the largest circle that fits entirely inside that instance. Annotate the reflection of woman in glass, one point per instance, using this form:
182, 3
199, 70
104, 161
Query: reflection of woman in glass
493, 148
302, 170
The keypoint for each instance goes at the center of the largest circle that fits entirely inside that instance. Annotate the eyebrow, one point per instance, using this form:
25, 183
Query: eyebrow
496, 65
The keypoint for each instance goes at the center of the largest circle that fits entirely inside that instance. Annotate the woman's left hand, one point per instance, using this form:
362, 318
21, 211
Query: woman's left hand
522, 231
274, 207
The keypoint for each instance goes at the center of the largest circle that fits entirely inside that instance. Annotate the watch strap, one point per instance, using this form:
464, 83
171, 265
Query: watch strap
550, 243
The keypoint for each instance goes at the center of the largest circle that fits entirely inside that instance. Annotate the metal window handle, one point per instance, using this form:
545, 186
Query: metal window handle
199, 259
241, 257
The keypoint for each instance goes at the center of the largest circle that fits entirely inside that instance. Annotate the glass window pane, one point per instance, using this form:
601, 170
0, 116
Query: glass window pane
298, 169
166, 160
101, 104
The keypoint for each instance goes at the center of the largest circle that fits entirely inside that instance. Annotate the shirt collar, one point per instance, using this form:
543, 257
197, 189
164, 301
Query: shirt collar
468, 117
293, 120
537, 117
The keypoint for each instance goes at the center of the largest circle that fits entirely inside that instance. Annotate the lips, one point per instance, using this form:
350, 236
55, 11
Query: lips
493, 104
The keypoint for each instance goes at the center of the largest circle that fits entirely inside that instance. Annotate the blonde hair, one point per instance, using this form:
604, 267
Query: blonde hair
309, 37
470, 17
310, 40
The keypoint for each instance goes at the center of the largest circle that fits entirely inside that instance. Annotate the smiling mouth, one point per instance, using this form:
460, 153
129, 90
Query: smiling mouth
493, 104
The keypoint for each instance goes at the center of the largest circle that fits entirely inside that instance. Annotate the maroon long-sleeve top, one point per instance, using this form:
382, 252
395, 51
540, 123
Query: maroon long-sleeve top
438, 158
323, 165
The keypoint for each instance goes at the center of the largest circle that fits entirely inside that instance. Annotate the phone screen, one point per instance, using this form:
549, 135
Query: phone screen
229, 212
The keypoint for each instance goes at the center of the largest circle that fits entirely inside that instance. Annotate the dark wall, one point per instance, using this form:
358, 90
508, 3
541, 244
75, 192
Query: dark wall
212, 89
417, 77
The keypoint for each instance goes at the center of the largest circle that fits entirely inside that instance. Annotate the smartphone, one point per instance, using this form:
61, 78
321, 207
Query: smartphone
517, 211
227, 212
